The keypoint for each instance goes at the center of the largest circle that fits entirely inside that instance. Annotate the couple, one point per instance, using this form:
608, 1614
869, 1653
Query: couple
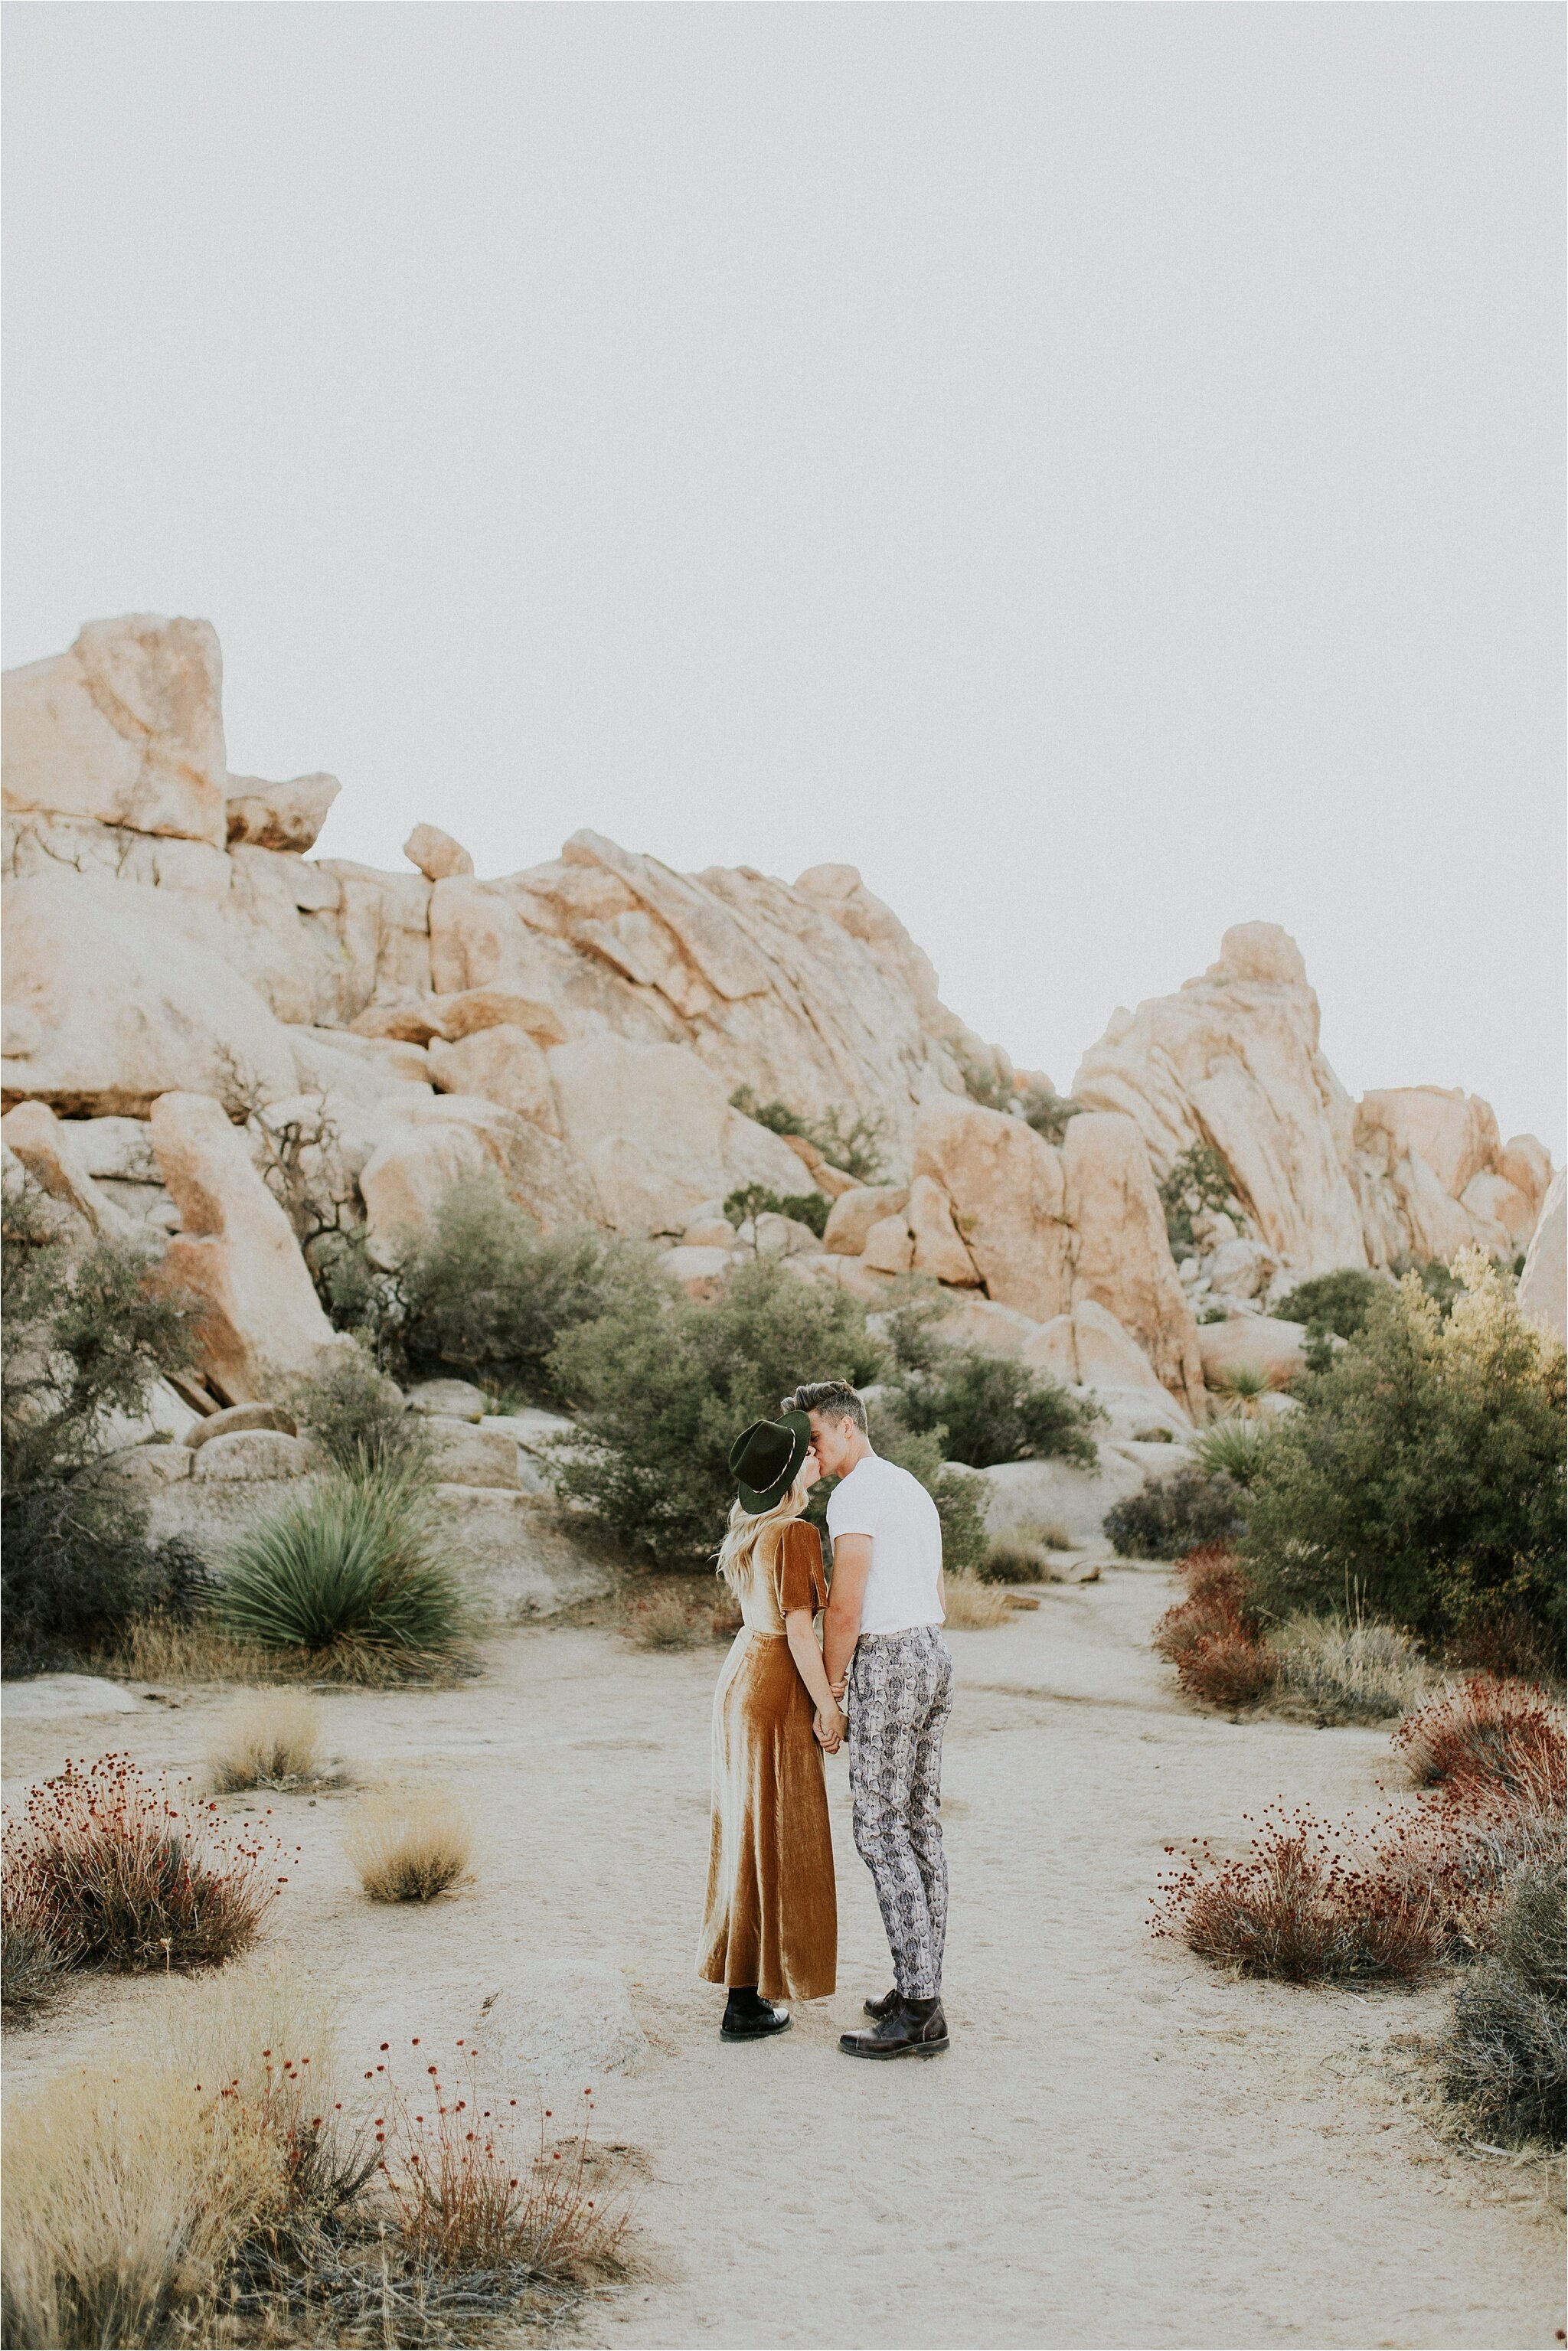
883, 1676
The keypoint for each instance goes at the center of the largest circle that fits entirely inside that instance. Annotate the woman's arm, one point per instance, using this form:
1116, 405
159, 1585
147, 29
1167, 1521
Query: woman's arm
800, 1632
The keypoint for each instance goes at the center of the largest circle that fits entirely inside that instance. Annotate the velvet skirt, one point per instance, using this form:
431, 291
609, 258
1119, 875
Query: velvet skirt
772, 1916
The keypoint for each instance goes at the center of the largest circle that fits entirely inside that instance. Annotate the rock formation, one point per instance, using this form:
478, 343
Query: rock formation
578, 1030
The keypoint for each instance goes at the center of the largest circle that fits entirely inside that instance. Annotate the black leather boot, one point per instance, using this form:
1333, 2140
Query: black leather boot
884, 2006
746, 2017
912, 2028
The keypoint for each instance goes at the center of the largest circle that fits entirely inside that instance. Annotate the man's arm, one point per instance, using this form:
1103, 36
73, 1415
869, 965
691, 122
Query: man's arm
841, 1624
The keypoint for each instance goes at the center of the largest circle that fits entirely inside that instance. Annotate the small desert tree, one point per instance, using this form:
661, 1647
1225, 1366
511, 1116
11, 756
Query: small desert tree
1422, 1479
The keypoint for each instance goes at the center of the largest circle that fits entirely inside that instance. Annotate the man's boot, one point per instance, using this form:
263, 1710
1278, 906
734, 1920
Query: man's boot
748, 2017
914, 2028
884, 2006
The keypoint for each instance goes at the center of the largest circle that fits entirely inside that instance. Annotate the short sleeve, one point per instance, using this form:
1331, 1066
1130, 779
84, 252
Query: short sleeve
852, 1513
800, 1579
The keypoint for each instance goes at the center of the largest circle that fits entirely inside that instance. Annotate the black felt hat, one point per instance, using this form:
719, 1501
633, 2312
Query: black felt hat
765, 1459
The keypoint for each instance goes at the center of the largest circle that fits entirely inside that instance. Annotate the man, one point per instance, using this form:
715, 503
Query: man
885, 1610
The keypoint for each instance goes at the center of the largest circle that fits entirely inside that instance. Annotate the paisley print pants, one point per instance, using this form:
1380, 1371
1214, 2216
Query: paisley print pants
900, 1696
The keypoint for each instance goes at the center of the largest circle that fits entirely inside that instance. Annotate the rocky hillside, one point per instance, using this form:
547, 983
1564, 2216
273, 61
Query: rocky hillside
187, 991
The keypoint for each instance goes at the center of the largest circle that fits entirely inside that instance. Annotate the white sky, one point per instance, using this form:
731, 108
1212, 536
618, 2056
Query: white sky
1096, 468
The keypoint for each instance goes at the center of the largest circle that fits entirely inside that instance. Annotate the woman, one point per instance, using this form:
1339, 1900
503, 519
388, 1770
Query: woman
771, 1929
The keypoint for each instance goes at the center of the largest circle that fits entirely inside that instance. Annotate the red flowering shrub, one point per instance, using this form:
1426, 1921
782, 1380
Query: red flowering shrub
1213, 1636
1486, 1742
121, 1878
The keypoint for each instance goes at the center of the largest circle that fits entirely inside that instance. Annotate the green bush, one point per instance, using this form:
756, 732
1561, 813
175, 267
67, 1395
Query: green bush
482, 1294
662, 1386
1232, 1449
1503, 2059
1047, 1110
754, 1200
85, 1336
355, 1564
1331, 1302
858, 1145
1199, 1179
1170, 1516
1422, 1477
993, 1409
358, 1418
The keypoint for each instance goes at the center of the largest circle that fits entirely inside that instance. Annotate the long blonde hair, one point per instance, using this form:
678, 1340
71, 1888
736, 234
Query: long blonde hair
748, 1530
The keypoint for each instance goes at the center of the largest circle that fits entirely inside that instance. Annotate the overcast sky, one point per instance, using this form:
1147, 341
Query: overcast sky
1096, 468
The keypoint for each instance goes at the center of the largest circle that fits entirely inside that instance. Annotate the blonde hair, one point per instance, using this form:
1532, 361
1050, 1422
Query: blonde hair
747, 1529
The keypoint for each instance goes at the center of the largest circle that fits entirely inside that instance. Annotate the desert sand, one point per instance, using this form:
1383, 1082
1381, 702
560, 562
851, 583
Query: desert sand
1120, 2149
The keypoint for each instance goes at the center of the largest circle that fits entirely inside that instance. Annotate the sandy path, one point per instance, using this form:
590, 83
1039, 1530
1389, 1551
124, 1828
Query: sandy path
1118, 2151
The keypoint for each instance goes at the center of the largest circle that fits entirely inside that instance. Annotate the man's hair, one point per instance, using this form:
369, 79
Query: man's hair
834, 1399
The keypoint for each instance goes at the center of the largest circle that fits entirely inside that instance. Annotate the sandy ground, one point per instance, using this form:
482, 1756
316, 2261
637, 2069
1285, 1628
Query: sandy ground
1119, 2150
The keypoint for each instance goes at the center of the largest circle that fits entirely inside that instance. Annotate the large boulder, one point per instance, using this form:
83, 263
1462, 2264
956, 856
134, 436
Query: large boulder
1252, 1342
1090, 1348
428, 1143
501, 1064
50, 1152
126, 728
1234, 1060
1121, 1258
653, 1128
436, 854
236, 1254
118, 1007
854, 1214
1006, 1191
1455, 1133
1543, 1284
1064, 1503
279, 816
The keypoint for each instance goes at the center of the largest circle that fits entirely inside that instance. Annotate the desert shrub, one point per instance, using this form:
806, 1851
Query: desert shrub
1172, 1515
1199, 1179
355, 1564
1242, 1388
122, 1879
1423, 1471
84, 1337
973, 1606
1503, 2056
270, 1742
1489, 1736
357, 1417
856, 1145
1331, 1302
669, 1619
410, 1848
990, 1082
1046, 1111
993, 1410
1214, 1637
1330, 1671
662, 1388
754, 1200
1231, 1449
32, 1964
1018, 1558
1311, 1902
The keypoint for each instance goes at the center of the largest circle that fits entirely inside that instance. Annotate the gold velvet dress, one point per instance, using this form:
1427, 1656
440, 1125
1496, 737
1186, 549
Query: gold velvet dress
772, 1916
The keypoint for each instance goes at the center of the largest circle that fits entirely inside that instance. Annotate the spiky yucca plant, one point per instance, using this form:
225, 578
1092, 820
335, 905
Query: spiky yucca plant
353, 1562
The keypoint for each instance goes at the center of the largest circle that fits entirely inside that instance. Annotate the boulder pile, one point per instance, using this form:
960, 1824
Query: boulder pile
188, 988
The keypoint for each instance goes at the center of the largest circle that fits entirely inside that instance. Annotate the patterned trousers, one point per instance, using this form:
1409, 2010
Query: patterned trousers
900, 1696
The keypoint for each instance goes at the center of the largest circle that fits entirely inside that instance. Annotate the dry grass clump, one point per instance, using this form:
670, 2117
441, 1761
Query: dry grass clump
159, 1647
973, 1606
1313, 1902
410, 1848
1333, 1672
1214, 1637
1504, 2059
674, 1618
116, 1875
1023, 1555
1500, 1736
32, 1964
270, 1742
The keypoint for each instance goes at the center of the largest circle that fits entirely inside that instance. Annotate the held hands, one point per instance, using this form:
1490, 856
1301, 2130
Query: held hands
829, 1727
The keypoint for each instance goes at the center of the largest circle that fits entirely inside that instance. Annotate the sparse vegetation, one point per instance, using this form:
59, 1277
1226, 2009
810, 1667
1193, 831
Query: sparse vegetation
670, 1620
271, 1743
1487, 1732
1424, 1472
857, 1145
114, 1875
755, 1200
85, 1336
1172, 1515
356, 1417
1199, 1179
1503, 2059
973, 1606
410, 1847
353, 1573
1330, 1671
1046, 1111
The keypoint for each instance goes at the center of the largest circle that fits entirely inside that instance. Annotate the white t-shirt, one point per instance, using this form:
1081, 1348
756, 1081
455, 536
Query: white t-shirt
879, 1500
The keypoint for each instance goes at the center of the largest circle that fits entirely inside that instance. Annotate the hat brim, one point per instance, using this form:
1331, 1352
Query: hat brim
755, 1500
